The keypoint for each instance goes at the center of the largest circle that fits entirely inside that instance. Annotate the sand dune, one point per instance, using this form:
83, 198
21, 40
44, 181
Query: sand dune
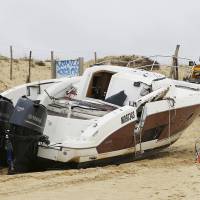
20, 73
171, 174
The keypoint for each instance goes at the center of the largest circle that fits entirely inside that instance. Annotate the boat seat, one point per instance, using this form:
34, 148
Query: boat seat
117, 99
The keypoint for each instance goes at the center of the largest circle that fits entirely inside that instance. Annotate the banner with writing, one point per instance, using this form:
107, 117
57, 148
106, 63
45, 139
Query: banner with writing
67, 68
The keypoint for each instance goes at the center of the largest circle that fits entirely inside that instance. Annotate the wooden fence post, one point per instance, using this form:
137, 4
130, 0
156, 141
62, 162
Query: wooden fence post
53, 66
29, 67
175, 61
174, 69
81, 65
95, 57
11, 62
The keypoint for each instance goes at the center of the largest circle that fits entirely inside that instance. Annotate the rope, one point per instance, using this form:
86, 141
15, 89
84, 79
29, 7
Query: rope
169, 124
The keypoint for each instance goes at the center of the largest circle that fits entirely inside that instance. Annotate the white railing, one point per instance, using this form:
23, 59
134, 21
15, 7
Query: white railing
156, 63
155, 60
132, 63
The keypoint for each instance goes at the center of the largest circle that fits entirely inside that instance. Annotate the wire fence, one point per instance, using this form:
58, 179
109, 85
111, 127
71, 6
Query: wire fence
20, 64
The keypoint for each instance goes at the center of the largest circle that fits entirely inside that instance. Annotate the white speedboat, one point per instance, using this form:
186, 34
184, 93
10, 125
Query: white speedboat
110, 112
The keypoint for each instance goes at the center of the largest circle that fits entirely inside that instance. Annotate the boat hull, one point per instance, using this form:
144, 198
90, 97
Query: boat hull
126, 143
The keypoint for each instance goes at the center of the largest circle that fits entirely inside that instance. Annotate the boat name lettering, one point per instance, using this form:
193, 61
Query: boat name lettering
127, 117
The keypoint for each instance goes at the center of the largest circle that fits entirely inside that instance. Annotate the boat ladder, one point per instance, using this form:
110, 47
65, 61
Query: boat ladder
138, 140
138, 135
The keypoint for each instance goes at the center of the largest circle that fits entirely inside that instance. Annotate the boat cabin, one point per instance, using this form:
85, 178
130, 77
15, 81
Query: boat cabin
103, 82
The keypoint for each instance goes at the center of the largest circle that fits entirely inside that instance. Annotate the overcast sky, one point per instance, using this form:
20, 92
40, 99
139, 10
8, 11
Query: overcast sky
79, 27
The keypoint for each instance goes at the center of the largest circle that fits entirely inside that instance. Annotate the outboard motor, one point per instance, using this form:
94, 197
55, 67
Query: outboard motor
27, 126
6, 110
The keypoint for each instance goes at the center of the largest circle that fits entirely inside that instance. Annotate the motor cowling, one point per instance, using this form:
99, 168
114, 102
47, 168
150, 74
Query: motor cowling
27, 126
6, 111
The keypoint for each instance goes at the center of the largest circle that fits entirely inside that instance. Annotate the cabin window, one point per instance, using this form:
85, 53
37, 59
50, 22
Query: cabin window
99, 85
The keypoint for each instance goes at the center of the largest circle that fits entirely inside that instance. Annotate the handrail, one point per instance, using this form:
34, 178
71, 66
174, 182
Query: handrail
152, 65
154, 61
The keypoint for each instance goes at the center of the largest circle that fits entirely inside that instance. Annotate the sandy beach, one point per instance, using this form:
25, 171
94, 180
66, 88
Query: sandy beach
171, 174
